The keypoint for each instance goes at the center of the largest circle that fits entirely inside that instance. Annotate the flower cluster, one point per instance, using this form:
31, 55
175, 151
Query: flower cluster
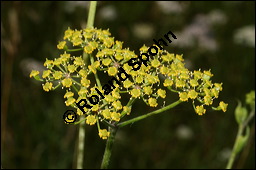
164, 71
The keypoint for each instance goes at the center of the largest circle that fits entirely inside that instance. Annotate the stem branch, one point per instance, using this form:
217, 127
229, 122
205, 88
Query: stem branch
149, 114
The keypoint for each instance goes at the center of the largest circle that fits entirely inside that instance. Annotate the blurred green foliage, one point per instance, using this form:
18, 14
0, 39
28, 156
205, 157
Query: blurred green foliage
33, 132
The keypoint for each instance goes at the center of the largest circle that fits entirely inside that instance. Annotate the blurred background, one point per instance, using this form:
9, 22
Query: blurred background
211, 35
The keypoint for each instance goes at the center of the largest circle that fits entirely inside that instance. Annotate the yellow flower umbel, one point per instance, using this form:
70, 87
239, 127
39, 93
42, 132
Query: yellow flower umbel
87, 52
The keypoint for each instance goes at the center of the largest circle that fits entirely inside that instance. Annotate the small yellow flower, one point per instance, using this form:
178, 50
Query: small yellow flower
116, 94
34, 73
57, 61
106, 114
115, 116
106, 61
164, 70
152, 79
68, 94
61, 45
183, 96
77, 41
79, 112
119, 44
83, 73
144, 49
47, 86
79, 61
218, 86
103, 133
70, 101
85, 82
161, 93
207, 75
193, 82
127, 110
168, 57
48, 63
155, 63
119, 56
180, 83
147, 90
127, 83
109, 98
135, 93
152, 102
68, 33
207, 91
46, 73
82, 91
223, 106
207, 100
64, 57
184, 76
108, 42
57, 75
71, 68
91, 119
192, 94
168, 82
179, 57
88, 49
76, 34
197, 74
95, 107
112, 71
215, 92
139, 79
67, 82
117, 105
200, 110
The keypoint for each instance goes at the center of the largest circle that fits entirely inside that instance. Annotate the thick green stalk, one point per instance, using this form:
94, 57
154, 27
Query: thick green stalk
149, 114
81, 134
91, 16
108, 149
233, 154
241, 129
80, 150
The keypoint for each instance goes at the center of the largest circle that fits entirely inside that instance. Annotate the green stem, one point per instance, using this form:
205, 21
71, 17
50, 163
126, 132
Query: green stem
80, 151
91, 15
81, 135
108, 149
233, 154
239, 133
72, 50
149, 114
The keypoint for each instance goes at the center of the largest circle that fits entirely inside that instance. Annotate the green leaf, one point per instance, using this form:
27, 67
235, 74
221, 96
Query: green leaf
240, 113
250, 98
242, 141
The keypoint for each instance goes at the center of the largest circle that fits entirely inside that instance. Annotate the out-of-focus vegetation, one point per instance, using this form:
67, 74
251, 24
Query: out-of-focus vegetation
216, 35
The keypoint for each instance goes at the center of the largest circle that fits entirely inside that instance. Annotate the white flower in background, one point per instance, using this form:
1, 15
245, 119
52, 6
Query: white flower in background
28, 64
198, 32
70, 6
170, 6
217, 17
245, 36
184, 132
224, 154
108, 13
143, 30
